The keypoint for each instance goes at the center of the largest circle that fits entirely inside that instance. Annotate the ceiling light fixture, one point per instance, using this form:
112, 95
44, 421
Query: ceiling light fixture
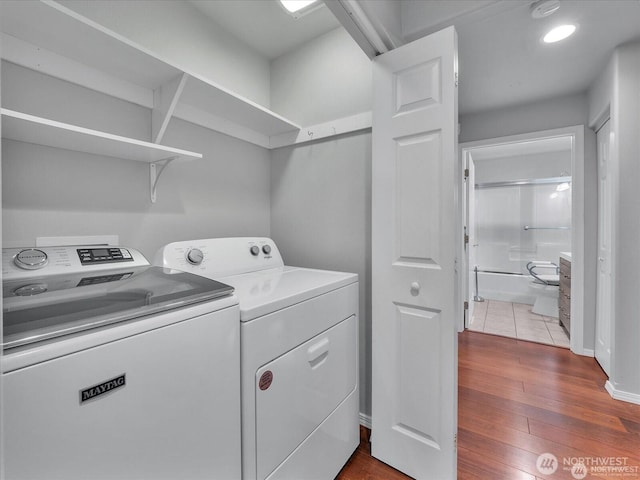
559, 33
295, 5
298, 8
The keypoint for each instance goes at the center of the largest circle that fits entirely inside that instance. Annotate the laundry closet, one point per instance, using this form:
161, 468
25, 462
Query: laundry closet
140, 120
232, 182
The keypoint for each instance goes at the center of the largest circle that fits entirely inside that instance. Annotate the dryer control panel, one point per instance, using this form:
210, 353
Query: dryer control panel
220, 257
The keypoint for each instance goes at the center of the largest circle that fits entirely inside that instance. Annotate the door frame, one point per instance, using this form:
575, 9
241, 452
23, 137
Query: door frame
579, 335
612, 176
465, 290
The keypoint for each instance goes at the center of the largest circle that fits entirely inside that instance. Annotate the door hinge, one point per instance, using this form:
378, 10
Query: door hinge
466, 239
466, 173
456, 79
466, 305
455, 442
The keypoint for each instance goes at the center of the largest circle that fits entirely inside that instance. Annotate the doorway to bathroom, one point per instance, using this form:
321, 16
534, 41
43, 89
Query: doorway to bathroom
523, 198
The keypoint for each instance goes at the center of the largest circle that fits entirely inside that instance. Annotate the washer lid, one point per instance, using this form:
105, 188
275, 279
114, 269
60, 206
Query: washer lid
267, 291
41, 308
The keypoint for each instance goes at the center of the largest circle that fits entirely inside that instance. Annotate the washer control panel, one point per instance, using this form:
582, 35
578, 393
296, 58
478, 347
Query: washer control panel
28, 262
90, 256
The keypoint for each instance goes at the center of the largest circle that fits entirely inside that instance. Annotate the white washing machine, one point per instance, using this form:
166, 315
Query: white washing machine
299, 355
114, 369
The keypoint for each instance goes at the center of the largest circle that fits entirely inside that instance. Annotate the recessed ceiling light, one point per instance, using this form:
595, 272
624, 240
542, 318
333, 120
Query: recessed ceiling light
559, 33
293, 6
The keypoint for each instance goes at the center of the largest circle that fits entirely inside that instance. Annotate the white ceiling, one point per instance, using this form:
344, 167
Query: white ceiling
265, 26
501, 59
503, 62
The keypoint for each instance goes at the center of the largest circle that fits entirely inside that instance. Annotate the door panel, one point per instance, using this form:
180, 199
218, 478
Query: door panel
414, 351
417, 227
416, 327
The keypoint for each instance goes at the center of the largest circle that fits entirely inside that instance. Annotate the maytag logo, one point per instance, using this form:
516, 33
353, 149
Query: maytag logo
102, 388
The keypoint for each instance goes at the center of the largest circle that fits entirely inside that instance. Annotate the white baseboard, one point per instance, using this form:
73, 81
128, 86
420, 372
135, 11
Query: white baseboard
585, 352
620, 395
365, 420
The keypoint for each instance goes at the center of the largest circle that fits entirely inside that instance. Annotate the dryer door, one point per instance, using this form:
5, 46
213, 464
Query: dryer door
297, 391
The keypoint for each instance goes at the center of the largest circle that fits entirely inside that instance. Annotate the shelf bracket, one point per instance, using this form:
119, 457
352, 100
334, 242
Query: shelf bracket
165, 99
155, 170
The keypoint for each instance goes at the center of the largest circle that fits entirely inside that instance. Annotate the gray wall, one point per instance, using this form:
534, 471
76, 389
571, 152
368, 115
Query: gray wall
53, 192
321, 218
544, 115
325, 79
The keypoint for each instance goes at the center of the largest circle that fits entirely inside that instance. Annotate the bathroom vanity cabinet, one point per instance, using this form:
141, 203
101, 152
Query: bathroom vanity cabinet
564, 297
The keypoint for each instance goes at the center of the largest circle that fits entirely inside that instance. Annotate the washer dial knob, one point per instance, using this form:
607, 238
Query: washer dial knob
31, 259
266, 249
255, 250
195, 256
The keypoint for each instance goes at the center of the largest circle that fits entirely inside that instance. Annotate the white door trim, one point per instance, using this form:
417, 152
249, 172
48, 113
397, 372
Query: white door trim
605, 292
579, 260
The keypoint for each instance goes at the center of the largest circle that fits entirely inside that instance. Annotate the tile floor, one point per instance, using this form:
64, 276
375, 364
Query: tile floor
516, 320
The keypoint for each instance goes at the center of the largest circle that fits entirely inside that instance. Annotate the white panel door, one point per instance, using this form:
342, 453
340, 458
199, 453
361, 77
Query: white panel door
414, 350
604, 273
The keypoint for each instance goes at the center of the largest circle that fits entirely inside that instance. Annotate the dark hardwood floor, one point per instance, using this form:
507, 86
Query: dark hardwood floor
518, 400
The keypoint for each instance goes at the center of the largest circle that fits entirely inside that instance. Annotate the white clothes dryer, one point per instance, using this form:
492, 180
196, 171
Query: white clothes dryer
114, 369
299, 355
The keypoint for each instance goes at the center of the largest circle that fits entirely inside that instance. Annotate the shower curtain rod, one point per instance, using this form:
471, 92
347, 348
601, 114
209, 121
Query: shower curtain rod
517, 183
497, 271
527, 227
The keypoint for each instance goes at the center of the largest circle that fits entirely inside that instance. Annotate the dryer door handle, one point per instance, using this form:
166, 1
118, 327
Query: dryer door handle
318, 352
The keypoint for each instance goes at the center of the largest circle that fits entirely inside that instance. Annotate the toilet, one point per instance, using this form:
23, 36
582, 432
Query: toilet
545, 285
